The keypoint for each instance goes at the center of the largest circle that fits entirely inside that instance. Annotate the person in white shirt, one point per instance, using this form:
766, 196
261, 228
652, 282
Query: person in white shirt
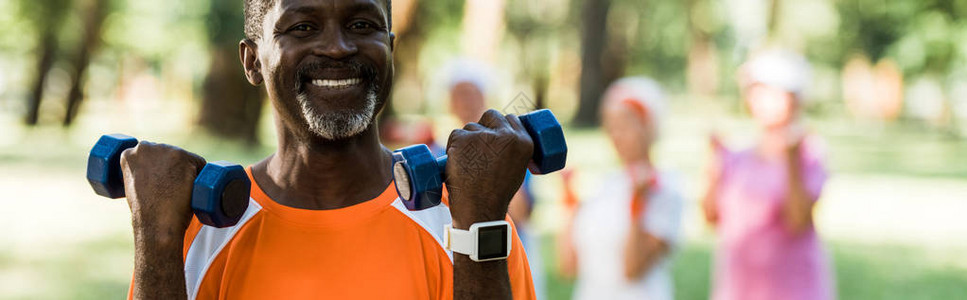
617, 243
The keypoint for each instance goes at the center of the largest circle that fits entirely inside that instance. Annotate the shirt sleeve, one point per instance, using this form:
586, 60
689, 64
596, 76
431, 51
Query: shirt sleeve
518, 269
663, 216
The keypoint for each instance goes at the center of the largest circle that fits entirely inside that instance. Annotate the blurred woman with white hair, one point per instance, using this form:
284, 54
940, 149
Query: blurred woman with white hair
761, 199
618, 243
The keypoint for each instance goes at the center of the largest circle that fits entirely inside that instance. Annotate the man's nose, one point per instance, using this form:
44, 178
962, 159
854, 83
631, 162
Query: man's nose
334, 44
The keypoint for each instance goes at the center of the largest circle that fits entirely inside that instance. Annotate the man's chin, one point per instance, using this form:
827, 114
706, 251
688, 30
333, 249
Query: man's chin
338, 115
339, 126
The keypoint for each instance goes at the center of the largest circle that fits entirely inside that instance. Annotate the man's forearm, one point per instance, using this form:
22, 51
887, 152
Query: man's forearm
158, 267
480, 280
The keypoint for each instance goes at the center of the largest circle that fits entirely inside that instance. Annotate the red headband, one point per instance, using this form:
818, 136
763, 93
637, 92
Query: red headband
636, 106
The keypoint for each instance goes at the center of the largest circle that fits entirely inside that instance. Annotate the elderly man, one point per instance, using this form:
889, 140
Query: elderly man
323, 219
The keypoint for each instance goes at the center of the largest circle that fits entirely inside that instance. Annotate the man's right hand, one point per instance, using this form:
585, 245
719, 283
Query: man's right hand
158, 181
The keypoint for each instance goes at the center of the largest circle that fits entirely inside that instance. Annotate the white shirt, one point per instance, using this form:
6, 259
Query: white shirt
601, 231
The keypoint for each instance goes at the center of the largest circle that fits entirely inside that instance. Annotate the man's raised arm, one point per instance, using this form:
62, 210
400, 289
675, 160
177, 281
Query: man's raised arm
485, 168
158, 183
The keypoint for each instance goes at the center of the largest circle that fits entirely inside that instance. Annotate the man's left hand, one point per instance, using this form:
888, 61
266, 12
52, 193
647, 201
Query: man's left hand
486, 167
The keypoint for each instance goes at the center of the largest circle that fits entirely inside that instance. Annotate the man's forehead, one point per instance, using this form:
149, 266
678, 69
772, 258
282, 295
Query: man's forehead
310, 6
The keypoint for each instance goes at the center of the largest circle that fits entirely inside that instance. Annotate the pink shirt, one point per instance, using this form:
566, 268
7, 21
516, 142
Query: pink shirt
757, 256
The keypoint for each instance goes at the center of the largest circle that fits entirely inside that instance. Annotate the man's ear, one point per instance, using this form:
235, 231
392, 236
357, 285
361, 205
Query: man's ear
392, 41
248, 54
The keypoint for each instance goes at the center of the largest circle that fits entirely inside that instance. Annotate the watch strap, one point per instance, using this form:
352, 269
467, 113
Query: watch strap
459, 240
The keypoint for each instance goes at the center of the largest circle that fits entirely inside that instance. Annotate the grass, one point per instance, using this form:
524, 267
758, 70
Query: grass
100, 269
862, 272
94, 269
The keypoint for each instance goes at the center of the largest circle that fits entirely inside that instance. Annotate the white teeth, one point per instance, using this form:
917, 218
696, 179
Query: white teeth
336, 83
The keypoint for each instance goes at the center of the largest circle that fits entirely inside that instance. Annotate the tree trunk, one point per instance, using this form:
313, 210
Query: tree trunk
593, 41
775, 8
93, 20
45, 61
540, 91
47, 16
702, 70
230, 107
410, 36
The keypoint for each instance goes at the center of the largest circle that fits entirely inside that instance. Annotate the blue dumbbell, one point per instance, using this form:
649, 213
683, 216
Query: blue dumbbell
419, 176
219, 196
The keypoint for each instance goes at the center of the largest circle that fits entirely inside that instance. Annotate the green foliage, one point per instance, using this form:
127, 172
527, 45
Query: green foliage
920, 35
157, 30
440, 13
225, 22
661, 39
44, 13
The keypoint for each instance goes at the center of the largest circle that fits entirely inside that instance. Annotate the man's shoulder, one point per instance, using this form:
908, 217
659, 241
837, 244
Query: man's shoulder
204, 243
431, 220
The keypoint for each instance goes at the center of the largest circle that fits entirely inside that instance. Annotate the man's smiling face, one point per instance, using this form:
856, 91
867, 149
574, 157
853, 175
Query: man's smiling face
327, 64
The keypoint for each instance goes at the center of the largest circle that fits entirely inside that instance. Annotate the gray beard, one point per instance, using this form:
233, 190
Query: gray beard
341, 124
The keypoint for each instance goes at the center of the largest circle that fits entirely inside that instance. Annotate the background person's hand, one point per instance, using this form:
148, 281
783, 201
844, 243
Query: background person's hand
644, 178
795, 134
713, 176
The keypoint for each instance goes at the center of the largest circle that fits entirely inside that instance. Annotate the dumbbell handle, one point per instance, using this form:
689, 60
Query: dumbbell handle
441, 161
419, 176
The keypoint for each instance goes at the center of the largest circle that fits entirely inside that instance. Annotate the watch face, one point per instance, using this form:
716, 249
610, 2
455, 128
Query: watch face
492, 242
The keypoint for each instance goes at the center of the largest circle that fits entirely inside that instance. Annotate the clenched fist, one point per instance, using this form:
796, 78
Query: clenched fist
158, 180
486, 167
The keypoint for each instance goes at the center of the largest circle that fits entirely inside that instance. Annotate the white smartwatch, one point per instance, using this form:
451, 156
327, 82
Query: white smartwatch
484, 241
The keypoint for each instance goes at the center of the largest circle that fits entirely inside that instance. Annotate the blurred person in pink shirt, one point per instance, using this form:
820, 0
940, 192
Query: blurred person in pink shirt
761, 199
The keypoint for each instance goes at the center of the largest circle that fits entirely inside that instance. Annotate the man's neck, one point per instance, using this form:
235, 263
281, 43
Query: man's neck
318, 174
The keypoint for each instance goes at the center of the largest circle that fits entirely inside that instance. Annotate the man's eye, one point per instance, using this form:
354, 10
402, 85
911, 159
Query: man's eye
362, 26
301, 27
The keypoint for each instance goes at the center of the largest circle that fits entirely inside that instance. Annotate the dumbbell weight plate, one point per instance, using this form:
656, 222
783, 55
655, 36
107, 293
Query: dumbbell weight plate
402, 178
104, 164
220, 194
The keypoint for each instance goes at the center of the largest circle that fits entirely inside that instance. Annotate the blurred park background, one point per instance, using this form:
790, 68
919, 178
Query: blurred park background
888, 94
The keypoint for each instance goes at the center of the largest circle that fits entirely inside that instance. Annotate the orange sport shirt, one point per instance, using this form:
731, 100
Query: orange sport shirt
373, 250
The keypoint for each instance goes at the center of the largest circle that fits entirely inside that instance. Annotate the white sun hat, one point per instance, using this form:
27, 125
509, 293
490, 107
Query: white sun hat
782, 69
465, 70
642, 90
